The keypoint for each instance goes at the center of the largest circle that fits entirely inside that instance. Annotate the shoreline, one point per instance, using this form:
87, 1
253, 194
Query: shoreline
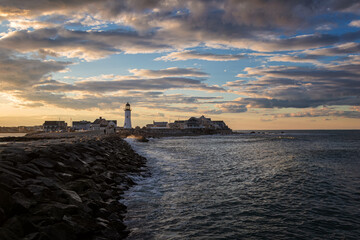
66, 188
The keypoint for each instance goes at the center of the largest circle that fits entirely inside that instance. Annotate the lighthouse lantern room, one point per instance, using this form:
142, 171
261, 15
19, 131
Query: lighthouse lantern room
127, 123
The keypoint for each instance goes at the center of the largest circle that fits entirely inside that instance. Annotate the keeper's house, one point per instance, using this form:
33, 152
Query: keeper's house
102, 124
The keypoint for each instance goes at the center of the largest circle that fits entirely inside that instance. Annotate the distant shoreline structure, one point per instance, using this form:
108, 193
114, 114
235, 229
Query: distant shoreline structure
193, 124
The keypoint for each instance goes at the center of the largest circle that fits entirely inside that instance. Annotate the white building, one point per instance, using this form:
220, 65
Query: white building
127, 122
102, 124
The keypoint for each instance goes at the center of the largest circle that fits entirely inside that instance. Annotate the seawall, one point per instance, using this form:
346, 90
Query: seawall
67, 188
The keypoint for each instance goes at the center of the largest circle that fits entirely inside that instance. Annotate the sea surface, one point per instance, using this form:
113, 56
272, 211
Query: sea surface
263, 185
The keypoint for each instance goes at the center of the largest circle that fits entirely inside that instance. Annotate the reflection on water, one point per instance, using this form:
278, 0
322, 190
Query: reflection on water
253, 186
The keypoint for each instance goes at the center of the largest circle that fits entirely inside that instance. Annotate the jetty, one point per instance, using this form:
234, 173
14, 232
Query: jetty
65, 186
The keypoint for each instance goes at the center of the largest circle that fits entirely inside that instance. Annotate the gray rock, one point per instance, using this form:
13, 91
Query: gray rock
9, 172
43, 162
60, 231
54, 210
82, 185
6, 234
31, 168
22, 200
15, 225
6, 202
48, 182
2, 216
72, 195
32, 236
9, 182
38, 190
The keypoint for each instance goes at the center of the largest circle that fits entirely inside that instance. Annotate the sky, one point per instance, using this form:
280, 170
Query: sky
256, 64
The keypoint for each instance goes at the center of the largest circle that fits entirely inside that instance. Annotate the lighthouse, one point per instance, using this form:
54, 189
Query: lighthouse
127, 123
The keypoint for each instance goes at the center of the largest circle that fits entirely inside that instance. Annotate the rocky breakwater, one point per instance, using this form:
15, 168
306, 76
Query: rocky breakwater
65, 189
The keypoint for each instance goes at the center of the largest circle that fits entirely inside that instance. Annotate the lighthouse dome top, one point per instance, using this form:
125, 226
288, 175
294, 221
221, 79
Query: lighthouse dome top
127, 107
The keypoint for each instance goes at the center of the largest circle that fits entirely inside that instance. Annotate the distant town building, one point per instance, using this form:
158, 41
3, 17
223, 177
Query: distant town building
21, 129
81, 125
178, 124
102, 124
127, 122
158, 125
55, 126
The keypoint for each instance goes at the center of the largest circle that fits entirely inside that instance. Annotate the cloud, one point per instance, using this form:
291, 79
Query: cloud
175, 102
325, 112
153, 26
340, 49
63, 101
138, 84
32, 105
299, 87
168, 72
293, 59
98, 92
355, 23
188, 55
142, 80
80, 44
20, 72
89, 30
232, 107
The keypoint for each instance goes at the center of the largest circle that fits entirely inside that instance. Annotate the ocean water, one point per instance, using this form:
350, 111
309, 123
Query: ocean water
268, 185
12, 134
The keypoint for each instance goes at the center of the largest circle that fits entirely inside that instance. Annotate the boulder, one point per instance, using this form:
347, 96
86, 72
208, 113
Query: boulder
38, 190
43, 162
31, 168
60, 231
15, 225
2, 216
6, 234
6, 202
21, 200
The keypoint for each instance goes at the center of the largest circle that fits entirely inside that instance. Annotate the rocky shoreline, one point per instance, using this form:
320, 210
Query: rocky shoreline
66, 188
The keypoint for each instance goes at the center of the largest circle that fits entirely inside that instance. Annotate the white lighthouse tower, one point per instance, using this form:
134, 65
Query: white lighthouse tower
127, 109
